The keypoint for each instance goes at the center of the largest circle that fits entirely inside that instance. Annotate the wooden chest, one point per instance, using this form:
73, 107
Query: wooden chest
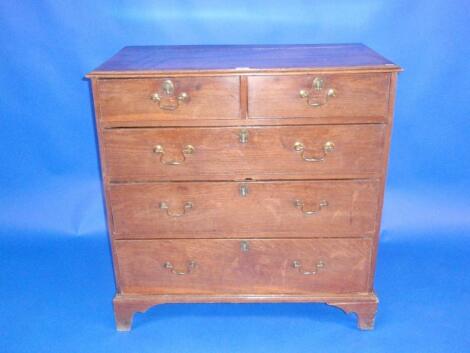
244, 173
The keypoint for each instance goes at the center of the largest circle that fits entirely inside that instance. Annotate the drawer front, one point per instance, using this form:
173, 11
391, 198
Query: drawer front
302, 152
252, 209
142, 100
238, 266
318, 96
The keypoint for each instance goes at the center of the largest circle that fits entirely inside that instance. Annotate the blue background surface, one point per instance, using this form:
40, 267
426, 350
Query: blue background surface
56, 280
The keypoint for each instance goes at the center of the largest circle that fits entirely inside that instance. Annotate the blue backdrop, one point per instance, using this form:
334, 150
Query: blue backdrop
56, 279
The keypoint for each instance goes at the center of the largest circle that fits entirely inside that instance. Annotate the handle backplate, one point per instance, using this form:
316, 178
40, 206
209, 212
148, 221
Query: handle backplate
300, 205
186, 207
186, 151
166, 97
298, 266
316, 96
306, 155
191, 265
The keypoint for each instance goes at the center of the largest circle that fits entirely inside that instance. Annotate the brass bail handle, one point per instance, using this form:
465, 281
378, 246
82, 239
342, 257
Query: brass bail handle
328, 147
298, 266
187, 206
300, 205
186, 151
191, 265
314, 95
166, 97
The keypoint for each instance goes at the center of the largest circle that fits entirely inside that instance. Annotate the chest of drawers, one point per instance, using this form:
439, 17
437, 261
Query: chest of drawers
244, 173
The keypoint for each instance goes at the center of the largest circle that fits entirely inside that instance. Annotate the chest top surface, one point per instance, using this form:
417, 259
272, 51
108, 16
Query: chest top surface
242, 59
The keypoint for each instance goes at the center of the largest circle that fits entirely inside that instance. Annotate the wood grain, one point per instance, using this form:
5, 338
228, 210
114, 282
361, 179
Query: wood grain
241, 58
222, 267
357, 95
268, 154
390, 110
268, 209
104, 177
253, 88
364, 305
323, 120
364, 310
130, 99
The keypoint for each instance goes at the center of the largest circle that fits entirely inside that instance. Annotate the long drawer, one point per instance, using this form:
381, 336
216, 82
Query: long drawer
286, 152
247, 209
244, 266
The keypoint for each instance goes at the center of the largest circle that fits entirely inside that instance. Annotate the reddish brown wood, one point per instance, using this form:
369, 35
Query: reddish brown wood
365, 311
325, 120
242, 58
359, 95
253, 88
130, 99
363, 304
268, 209
243, 97
224, 266
390, 109
268, 154
105, 179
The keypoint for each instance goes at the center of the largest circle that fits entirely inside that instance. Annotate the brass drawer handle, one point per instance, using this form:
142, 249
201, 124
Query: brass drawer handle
328, 147
299, 204
166, 98
298, 265
186, 207
186, 151
314, 96
190, 267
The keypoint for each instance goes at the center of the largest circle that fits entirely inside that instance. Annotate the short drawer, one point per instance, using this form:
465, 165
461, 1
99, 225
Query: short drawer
181, 98
294, 152
247, 209
244, 266
342, 96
